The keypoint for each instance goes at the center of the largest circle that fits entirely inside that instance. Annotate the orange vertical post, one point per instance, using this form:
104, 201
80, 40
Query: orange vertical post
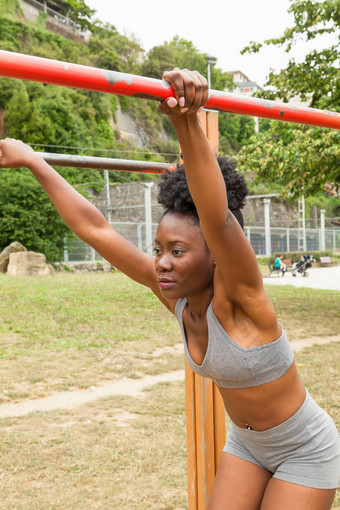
219, 424
191, 437
204, 404
211, 129
204, 439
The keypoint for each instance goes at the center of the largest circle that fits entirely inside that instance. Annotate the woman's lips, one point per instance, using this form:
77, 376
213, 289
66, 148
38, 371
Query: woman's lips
165, 284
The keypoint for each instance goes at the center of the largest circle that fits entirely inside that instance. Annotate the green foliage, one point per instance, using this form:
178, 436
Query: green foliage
8, 87
315, 79
103, 30
83, 180
28, 216
106, 56
235, 131
38, 41
10, 7
168, 148
80, 13
159, 59
54, 115
113, 50
303, 159
183, 54
321, 201
261, 188
8, 35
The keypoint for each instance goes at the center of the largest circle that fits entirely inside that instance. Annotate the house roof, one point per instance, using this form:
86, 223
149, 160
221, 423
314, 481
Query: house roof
240, 72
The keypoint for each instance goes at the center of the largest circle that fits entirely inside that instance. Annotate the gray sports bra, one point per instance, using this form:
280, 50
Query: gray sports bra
231, 366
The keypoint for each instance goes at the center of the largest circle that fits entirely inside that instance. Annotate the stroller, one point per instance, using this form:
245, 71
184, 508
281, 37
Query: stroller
301, 267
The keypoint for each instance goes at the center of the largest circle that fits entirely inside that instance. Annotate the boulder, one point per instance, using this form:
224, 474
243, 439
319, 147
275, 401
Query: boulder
4, 255
28, 263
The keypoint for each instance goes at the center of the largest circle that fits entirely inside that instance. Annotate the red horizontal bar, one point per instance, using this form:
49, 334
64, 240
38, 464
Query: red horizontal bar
123, 165
27, 67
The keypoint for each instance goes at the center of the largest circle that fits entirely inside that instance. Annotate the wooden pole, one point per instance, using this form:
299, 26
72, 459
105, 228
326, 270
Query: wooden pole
204, 404
191, 438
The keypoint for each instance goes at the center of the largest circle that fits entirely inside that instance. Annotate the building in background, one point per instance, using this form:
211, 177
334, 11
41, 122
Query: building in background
243, 84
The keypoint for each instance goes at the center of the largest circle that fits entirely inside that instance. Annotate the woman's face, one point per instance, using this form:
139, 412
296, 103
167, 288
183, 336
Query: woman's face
184, 265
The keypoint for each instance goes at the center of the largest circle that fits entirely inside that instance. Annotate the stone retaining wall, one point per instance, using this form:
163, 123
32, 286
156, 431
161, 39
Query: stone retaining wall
283, 214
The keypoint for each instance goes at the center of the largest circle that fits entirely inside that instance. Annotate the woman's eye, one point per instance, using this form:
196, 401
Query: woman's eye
177, 252
156, 250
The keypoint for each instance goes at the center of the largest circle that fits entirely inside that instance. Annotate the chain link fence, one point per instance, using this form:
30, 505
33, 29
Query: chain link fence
282, 240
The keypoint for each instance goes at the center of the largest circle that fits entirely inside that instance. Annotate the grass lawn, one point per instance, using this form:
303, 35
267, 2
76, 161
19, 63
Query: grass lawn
74, 331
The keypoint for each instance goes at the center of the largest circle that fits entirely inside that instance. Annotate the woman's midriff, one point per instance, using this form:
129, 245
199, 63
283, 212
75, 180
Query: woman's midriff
263, 407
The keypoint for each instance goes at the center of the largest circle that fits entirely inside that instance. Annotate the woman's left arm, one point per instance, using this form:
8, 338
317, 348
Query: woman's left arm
235, 258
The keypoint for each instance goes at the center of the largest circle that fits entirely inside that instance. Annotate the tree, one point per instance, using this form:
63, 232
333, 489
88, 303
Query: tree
80, 13
28, 216
182, 53
303, 159
235, 131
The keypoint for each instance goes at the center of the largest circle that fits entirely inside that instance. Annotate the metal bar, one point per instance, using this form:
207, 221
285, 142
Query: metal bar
108, 196
124, 165
322, 230
148, 217
288, 239
27, 67
266, 202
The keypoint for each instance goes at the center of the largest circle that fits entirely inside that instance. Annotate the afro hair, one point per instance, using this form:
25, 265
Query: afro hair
174, 193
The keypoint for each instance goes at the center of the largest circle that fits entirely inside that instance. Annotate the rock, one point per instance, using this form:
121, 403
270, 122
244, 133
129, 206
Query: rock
85, 266
50, 269
28, 263
4, 255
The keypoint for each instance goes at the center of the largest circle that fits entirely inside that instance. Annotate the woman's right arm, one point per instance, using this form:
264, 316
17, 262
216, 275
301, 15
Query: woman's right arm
81, 216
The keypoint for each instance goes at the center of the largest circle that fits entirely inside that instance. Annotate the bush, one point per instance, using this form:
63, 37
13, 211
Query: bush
28, 216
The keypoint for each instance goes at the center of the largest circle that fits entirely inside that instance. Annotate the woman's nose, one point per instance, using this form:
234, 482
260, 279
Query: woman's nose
163, 262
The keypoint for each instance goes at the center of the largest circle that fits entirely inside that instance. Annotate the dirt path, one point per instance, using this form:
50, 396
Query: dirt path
132, 387
319, 340
70, 399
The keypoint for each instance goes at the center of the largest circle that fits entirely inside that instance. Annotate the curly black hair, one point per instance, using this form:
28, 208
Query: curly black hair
174, 193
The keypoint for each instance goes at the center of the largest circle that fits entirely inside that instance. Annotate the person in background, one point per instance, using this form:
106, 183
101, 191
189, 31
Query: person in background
280, 265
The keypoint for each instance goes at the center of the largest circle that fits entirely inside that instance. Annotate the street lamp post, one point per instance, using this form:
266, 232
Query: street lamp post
211, 61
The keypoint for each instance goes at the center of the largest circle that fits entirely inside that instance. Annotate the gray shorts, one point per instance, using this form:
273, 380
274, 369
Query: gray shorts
305, 449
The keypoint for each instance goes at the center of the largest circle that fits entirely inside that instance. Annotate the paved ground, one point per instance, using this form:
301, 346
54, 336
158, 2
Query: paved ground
319, 278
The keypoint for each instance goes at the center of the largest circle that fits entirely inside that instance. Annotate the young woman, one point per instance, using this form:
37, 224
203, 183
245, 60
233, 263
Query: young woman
283, 450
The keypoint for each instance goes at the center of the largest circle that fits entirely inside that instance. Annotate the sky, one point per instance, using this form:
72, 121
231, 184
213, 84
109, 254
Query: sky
221, 28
